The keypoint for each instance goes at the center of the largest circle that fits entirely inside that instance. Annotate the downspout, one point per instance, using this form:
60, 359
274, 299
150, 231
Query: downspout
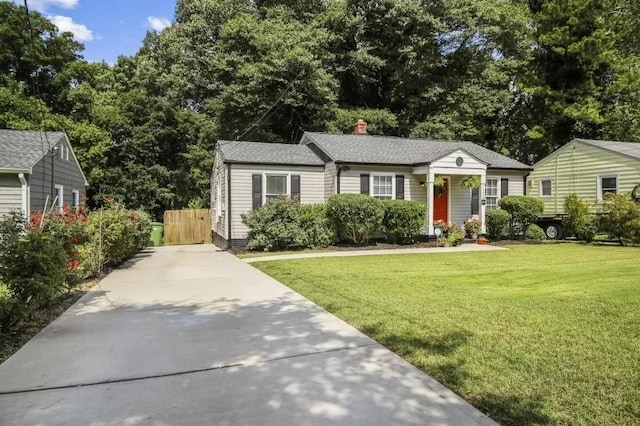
25, 195
339, 167
228, 215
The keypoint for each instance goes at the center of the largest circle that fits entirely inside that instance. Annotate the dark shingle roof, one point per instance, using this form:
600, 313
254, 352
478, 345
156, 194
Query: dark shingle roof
631, 149
268, 153
394, 150
22, 149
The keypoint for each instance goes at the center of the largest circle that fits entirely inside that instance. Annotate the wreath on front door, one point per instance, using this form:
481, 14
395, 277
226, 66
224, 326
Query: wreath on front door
440, 191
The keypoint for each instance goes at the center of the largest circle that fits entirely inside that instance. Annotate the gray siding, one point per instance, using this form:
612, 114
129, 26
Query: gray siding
65, 173
350, 180
10, 193
311, 189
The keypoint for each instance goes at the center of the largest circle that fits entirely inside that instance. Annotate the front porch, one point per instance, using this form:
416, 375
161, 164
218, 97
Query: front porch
447, 199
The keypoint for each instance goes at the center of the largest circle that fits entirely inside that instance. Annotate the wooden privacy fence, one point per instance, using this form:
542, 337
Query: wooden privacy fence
187, 227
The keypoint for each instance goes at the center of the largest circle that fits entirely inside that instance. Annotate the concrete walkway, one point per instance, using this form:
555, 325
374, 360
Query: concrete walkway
346, 253
195, 336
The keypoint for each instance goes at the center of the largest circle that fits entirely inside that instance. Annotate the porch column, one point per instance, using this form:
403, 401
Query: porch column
430, 179
483, 206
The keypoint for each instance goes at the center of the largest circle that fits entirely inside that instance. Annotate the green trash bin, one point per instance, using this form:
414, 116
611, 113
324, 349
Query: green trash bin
157, 229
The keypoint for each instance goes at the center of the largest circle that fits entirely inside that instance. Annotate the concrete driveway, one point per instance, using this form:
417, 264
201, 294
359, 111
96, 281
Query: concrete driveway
191, 335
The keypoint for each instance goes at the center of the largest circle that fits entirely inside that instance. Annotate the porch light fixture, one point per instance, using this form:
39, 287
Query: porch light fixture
422, 184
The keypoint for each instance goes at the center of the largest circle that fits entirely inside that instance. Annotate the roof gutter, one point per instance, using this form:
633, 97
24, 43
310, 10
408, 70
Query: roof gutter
12, 171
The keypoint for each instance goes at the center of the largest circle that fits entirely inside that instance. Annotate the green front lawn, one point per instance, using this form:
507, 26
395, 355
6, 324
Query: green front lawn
541, 334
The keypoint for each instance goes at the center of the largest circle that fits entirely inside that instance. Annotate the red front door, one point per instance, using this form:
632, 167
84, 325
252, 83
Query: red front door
441, 201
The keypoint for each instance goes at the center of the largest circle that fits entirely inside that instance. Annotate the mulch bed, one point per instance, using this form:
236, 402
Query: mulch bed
24, 330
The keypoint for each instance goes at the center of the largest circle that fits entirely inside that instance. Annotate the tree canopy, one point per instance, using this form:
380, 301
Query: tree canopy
520, 77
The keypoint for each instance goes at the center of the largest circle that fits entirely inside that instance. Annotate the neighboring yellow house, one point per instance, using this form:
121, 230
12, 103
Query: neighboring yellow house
587, 168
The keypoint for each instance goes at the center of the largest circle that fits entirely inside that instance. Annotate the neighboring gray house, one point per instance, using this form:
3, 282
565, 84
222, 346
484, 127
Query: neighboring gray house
36, 165
247, 174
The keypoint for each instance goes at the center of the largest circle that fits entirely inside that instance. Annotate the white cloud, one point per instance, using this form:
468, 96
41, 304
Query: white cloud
157, 24
43, 5
66, 24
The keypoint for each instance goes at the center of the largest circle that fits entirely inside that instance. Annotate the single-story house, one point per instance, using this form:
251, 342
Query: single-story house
36, 166
247, 174
588, 168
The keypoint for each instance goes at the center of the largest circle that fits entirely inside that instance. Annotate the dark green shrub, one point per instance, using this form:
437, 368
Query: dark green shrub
34, 269
275, 226
497, 221
578, 222
10, 310
316, 225
622, 218
403, 220
355, 217
534, 232
524, 211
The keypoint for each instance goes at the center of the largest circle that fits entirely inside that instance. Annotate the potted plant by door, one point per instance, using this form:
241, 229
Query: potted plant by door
472, 228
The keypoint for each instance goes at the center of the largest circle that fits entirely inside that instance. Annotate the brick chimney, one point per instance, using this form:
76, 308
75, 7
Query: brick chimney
360, 128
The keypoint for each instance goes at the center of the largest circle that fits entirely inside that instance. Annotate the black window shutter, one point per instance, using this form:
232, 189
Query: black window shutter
399, 187
475, 200
295, 187
504, 187
256, 190
364, 184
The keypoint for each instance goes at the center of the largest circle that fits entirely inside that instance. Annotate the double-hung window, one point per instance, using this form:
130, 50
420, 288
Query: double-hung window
382, 187
491, 193
59, 197
76, 199
607, 184
546, 188
277, 186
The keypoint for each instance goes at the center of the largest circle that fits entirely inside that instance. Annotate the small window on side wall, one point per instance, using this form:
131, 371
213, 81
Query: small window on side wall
607, 185
76, 199
546, 188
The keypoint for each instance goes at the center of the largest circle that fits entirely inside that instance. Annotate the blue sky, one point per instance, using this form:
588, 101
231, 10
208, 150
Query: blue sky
107, 28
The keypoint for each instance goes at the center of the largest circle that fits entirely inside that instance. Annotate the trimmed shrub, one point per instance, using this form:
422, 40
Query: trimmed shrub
316, 225
534, 232
403, 220
275, 226
355, 217
578, 222
524, 211
622, 219
497, 221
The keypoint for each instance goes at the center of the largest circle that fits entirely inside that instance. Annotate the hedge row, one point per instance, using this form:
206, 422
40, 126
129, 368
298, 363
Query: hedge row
52, 253
283, 224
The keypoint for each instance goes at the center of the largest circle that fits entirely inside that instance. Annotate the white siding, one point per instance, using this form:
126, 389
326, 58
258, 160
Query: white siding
516, 180
330, 182
10, 193
460, 202
219, 212
449, 162
350, 180
312, 189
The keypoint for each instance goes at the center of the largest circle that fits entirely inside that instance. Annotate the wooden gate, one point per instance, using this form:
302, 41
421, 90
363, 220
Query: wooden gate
187, 227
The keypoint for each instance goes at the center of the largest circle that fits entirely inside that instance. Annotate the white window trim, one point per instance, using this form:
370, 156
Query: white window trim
540, 187
264, 184
498, 190
67, 154
60, 200
75, 196
393, 183
599, 196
